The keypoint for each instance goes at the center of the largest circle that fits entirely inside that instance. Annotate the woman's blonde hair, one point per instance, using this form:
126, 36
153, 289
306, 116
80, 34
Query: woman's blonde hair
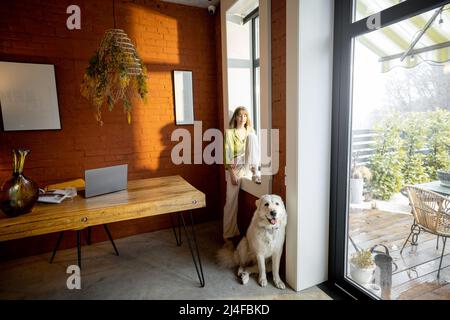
247, 125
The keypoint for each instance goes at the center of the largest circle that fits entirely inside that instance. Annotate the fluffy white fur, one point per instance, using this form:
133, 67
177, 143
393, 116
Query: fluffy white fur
263, 242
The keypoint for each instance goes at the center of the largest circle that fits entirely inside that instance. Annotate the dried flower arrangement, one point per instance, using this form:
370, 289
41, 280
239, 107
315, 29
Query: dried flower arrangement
115, 73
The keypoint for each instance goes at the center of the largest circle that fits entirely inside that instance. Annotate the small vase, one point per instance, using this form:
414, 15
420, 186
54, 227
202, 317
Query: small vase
19, 194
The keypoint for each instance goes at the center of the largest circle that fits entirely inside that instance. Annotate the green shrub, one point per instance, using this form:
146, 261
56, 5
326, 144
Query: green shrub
386, 164
386, 175
399, 159
414, 130
438, 142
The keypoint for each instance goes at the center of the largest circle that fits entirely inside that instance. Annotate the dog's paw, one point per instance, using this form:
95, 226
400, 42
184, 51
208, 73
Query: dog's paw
262, 282
240, 271
279, 284
245, 276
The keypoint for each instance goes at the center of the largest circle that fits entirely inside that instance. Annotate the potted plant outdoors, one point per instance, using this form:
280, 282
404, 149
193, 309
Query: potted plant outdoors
362, 267
359, 175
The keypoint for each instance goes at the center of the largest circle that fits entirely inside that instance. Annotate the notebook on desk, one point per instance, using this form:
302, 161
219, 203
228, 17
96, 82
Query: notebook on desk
105, 180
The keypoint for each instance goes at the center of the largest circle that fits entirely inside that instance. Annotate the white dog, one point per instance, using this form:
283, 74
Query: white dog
264, 240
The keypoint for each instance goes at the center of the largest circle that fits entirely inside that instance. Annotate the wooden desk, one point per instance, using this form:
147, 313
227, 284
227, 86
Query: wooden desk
143, 198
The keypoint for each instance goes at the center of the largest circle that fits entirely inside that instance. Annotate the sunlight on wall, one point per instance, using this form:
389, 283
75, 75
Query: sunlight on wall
155, 35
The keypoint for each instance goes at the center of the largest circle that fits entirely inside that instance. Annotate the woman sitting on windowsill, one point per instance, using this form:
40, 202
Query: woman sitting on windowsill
241, 160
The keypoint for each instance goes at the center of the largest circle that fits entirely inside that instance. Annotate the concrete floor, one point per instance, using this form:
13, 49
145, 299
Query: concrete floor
150, 266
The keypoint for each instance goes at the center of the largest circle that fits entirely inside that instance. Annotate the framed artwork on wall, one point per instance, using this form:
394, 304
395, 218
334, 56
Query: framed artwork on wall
28, 97
183, 97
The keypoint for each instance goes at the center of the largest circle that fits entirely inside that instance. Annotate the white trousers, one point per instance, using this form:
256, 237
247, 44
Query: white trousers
245, 162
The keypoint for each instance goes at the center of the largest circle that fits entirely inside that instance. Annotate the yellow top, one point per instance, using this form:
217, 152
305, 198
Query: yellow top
234, 145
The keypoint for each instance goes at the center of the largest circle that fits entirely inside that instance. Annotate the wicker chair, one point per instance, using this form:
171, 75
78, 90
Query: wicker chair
431, 214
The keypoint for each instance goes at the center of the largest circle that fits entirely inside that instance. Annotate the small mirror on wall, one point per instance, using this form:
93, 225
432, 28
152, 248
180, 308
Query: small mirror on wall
28, 97
183, 96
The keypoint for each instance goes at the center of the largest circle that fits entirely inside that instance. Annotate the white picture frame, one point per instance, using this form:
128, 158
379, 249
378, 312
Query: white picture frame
28, 97
183, 97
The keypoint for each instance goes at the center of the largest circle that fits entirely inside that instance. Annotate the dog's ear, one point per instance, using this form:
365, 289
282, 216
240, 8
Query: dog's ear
278, 198
257, 202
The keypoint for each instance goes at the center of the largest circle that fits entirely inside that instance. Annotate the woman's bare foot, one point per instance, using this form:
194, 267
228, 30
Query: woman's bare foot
256, 179
256, 176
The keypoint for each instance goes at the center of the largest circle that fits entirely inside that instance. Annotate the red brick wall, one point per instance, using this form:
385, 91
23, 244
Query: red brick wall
279, 88
279, 95
167, 37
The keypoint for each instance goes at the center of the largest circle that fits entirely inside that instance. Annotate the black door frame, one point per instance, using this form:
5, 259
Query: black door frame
344, 32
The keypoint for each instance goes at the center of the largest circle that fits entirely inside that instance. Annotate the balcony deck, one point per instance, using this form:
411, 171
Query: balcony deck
416, 277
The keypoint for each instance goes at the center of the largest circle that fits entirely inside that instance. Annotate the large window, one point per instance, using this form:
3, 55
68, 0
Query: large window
246, 47
391, 128
244, 64
253, 18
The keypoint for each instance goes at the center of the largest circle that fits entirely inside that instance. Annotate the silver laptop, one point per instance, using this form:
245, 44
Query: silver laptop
105, 180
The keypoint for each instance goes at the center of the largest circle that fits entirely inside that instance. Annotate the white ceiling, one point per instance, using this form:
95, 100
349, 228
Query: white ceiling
243, 7
195, 3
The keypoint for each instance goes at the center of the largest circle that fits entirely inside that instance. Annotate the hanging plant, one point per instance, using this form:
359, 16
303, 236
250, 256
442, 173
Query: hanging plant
115, 74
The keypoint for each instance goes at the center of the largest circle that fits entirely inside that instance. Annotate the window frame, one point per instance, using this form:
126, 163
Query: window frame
345, 31
230, 8
251, 17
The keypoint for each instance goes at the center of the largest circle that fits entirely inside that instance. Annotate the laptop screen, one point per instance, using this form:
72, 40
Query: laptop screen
105, 180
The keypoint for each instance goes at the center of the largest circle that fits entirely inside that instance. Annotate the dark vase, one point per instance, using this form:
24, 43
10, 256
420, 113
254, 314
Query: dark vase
19, 194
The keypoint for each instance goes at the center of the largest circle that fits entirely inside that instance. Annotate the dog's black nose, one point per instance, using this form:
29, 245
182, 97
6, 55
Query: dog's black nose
273, 213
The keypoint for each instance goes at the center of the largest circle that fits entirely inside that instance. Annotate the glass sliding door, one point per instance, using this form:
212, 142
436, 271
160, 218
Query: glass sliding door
391, 131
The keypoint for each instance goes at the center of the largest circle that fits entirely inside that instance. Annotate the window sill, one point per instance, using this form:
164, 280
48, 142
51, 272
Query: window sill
257, 190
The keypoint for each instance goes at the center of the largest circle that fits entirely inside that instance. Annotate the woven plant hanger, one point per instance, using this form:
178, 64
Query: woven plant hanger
115, 73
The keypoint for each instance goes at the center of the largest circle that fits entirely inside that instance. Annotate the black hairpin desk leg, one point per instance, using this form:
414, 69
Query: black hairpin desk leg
177, 238
57, 246
110, 238
79, 247
196, 255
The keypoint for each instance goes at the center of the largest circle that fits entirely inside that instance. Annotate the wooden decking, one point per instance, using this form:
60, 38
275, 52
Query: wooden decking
416, 277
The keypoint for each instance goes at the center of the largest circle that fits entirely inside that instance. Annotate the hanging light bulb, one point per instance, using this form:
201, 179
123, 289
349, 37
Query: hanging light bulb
447, 68
118, 37
441, 21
